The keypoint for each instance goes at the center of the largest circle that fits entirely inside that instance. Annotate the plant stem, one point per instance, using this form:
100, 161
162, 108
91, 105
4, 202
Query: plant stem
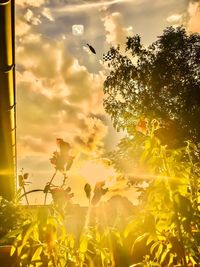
52, 257
45, 198
192, 180
64, 180
23, 186
184, 262
25, 194
31, 191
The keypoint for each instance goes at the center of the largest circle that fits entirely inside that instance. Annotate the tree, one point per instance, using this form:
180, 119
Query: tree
161, 81
153, 94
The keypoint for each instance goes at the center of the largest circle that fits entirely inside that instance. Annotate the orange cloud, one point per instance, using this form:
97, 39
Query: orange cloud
34, 3
76, 7
90, 138
194, 17
55, 95
115, 32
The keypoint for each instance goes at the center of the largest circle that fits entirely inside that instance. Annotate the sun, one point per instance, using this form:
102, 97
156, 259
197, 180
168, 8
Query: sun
94, 171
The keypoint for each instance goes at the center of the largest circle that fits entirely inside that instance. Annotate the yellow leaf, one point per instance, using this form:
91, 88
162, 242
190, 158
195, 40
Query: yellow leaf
83, 245
12, 251
36, 255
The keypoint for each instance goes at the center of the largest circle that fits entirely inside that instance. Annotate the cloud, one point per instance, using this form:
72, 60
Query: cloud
77, 79
194, 16
32, 144
93, 131
21, 27
56, 96
77, 7
40, 56
175, 18
46, 12
33, 3
189, 18
31, 18
116, 33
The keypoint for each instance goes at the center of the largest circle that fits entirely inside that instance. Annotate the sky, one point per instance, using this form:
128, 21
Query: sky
60, 83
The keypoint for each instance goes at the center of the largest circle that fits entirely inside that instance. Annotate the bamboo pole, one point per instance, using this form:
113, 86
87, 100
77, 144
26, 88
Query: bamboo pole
7, 100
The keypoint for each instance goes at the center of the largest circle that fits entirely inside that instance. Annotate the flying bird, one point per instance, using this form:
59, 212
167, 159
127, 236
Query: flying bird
91, 49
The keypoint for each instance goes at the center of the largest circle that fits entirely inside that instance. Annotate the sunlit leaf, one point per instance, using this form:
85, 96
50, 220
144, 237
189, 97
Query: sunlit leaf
19, 249
24, 256
27, 233
154, 246
171, 260
149, 240
83, 245
12, 251
159, 251
130, 227
26, 176
164, 256
36, 255
87, 189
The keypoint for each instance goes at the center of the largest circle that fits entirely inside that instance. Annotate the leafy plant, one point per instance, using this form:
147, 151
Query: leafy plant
43, 240
12, 215
167, 232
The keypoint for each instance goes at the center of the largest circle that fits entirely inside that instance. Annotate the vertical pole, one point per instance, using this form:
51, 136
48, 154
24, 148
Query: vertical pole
7, 101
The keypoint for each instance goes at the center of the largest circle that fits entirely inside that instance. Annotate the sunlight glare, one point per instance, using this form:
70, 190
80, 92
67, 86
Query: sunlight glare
96, 171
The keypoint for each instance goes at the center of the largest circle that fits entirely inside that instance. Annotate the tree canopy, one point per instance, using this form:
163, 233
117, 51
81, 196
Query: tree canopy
160, 81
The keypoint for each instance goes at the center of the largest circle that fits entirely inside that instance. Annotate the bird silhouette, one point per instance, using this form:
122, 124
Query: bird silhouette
91, 49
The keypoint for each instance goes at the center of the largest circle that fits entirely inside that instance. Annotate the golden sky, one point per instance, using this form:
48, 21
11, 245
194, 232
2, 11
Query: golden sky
59, 83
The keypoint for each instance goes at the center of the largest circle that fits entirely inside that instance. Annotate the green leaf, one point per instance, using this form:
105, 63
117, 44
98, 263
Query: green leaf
71, 242
62, 262
129, 229
138, 265
12, 251
83, 245
26, 176
19, 237
87, 189
103, 259
159, 251
19, 250
149, 240
141, 238
171, 260
24, 256
164, 256
28, 233
36, 255
98, 236
153, 247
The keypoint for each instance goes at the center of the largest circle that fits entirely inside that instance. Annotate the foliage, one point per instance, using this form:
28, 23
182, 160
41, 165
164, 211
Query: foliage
43, 240
161, 81
12, 215
98, 192
62, 159
167, 230
153, 94
164, 231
